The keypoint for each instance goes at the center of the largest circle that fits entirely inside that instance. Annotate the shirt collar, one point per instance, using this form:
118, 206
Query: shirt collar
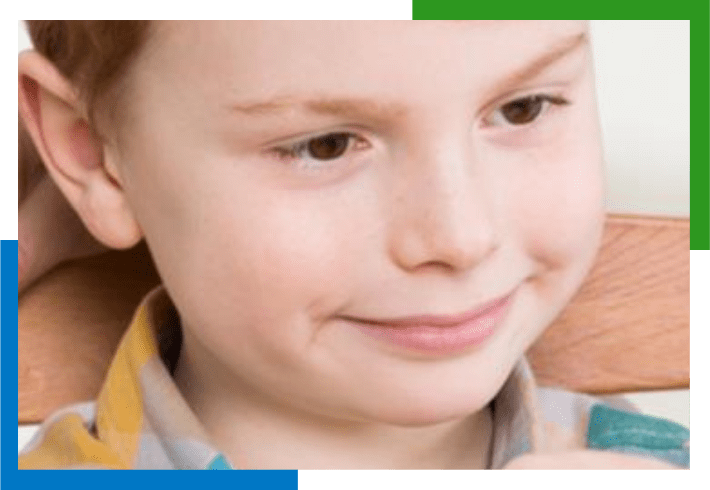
143, 416
517, 423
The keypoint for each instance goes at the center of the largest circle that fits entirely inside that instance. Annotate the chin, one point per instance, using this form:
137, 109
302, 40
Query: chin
432, 394
430, 408
427, 417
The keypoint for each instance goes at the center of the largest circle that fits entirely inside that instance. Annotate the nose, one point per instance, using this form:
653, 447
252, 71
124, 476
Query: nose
443, 212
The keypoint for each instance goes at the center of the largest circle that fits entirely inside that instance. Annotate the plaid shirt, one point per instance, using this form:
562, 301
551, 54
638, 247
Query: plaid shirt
140, 419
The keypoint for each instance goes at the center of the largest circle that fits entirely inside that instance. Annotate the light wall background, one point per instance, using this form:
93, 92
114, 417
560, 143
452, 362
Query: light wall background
643, 88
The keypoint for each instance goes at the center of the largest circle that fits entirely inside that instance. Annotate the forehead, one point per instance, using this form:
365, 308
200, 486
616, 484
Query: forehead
258, 38
289, 34
219, 60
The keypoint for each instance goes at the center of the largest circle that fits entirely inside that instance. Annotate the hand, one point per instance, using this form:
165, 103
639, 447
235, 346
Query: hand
49, 230
586, 460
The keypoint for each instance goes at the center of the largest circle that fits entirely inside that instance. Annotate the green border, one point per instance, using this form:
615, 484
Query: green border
699, 16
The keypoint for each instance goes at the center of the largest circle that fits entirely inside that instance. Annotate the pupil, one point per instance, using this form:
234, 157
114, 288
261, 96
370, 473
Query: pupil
523, 111
328, 147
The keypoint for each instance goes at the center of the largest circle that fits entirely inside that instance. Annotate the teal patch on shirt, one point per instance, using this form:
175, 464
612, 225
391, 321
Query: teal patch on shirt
219, 463
616, 430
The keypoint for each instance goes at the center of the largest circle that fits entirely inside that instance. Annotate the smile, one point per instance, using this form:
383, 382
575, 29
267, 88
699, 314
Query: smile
438, 334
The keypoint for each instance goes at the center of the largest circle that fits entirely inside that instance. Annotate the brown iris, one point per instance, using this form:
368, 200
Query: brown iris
329, 146
523, 111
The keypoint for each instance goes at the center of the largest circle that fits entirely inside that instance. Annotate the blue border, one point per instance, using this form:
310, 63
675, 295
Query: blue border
8, 292
122, 480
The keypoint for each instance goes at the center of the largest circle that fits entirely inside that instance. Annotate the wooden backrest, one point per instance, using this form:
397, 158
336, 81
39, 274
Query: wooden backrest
627, 329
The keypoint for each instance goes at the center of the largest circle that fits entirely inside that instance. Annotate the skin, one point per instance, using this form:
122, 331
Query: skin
433, 209
49, 230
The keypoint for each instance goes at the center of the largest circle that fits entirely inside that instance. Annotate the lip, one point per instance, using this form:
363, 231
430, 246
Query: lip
438, 320
439, 334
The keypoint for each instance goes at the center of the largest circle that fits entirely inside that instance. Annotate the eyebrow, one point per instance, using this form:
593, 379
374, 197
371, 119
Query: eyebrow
559, 50
347, 107
379, 111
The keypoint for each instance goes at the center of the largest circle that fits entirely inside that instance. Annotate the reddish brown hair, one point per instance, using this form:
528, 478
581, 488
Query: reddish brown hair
94, 55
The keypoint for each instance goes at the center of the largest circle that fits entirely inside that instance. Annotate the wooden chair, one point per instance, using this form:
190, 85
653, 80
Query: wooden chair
627, 329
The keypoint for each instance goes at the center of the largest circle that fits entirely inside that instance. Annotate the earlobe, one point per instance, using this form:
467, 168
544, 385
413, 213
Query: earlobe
107, 215
72, 153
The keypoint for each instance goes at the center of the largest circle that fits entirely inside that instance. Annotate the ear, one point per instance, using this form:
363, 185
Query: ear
75, 158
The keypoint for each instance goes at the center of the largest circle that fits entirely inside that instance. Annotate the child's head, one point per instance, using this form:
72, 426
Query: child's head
292, 178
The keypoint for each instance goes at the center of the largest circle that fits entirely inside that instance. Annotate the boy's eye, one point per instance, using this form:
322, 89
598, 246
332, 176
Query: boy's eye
329, 146
320, 149
525, 110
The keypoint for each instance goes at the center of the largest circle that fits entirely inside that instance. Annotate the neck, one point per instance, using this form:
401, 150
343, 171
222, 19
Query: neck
258, 432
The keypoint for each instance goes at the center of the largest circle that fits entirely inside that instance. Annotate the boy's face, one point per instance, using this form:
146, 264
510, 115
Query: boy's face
446, 196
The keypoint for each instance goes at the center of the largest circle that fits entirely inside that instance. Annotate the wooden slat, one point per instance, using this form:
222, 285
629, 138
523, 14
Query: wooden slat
627, 329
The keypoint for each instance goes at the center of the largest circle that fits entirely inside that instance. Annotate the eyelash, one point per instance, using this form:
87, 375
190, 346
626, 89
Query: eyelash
546, 99
297, 149
295, 152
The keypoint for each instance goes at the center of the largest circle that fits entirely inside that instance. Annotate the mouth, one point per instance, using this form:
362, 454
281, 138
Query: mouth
438, 334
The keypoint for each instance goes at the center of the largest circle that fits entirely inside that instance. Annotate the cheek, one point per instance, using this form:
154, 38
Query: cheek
265, 264
557, 216
240, 256
559, 204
